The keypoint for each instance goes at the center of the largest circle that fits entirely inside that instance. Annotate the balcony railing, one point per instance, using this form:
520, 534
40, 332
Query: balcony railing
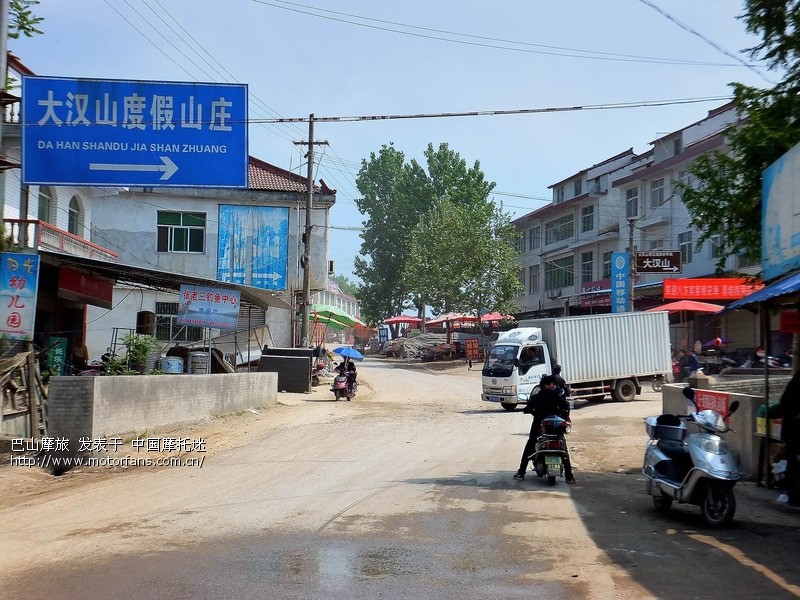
41, 235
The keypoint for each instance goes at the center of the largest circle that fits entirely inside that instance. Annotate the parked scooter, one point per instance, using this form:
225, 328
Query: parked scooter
318, 371
551, 449
700, 469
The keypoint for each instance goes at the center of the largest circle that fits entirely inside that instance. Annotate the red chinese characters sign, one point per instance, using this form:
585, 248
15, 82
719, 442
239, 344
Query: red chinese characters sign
720, 288
472, 350
19, 280
708, 400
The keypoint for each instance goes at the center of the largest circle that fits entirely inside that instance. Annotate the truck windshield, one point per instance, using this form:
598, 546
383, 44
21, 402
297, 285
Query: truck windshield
500, 362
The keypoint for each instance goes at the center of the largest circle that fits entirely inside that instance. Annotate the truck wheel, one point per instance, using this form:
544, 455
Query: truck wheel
624, 391
508, 406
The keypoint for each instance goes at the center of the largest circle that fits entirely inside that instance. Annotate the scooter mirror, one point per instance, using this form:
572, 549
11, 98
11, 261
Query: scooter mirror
734, 407
688, 392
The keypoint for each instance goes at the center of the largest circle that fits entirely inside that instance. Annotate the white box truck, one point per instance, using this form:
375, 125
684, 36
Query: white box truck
600, 355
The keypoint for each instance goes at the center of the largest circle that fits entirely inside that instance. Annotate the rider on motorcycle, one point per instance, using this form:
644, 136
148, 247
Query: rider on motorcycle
546, 402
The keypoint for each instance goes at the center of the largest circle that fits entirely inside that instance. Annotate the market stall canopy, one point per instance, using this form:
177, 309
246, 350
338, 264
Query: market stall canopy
688, 305
780, 291
452, 318
399, 319
495, 316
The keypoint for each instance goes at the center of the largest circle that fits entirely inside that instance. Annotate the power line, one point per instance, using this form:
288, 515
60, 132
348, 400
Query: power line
589, 54
708, 41
517, 111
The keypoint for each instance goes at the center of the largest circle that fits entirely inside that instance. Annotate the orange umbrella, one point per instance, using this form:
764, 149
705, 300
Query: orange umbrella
690, 305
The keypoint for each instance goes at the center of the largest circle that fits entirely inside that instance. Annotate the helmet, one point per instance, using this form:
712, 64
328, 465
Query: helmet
556, 369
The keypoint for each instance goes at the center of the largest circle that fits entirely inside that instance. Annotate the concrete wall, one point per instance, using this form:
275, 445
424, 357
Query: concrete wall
750, 394
106, 406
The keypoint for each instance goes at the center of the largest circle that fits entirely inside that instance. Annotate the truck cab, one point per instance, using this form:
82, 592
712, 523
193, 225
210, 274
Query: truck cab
514, 365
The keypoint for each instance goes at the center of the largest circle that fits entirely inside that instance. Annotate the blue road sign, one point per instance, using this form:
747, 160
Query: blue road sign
133, 133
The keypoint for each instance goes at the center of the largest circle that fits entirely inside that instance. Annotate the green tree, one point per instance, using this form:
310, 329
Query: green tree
463, 259
729, 184
21, 20
395, 196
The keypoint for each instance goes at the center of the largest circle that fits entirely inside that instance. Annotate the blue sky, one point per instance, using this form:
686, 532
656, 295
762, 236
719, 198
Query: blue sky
346, 58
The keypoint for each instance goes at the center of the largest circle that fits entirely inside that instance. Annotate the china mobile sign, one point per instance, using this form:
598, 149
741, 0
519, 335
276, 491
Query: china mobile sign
133, 133
208, 307
19, 280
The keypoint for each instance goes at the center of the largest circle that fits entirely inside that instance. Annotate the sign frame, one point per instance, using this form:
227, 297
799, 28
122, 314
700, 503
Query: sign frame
134, 133
659, 261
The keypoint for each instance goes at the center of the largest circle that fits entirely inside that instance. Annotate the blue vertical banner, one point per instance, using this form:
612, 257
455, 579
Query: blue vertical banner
19, 282
620, 282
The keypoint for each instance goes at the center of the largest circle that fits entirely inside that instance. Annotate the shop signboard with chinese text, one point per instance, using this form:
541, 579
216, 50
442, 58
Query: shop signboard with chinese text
19, 281
208, 307
658, 261
620, 282
601, 298
709, 288
56, 355
133, 133
710, 400
472, 351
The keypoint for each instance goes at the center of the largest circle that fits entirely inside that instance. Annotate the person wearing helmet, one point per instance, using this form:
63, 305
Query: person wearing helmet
546, 402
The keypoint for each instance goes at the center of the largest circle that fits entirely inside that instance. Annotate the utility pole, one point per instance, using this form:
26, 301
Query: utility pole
631, 260
306, 260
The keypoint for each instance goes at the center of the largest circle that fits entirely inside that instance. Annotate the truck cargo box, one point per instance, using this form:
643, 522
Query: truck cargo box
604, 347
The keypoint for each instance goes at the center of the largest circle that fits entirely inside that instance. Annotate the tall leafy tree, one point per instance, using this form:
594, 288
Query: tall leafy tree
396, 196
729, 184
345, 284
463, 258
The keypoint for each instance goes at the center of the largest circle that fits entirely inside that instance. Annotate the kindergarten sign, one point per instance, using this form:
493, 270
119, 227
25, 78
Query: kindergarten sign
19, 279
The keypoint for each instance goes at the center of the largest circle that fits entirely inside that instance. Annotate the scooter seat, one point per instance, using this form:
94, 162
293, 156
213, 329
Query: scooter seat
672, 448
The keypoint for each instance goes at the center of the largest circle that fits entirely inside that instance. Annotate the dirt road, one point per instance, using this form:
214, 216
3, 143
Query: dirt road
404, 492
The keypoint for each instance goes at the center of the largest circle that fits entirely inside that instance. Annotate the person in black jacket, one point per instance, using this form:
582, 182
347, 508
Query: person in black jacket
547, 402
560, 382
789, 409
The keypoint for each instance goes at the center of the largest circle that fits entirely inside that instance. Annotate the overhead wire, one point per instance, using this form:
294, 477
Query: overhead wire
593, 55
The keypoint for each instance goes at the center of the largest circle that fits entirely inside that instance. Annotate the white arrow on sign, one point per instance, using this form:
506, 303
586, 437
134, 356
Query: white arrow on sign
274, 276
169, 168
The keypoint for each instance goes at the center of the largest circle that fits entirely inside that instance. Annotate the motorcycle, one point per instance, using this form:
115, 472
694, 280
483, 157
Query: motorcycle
698, 469
340, 388
317, 371
551, 449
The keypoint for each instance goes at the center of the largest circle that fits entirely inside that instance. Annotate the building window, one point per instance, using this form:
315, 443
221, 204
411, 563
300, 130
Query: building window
559, 194
631, 203
657, 192
47, 203
559, 273
75, 222
656, 245
606, 265
559, 229
587, 218
716, 246
521, 277
533, 279
677, 146
535, 238
587, 267
685, 241
181, 232
167, 328
578, 187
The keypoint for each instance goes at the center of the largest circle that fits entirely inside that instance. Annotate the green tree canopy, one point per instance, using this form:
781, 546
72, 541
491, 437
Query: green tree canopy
397, 196
21, 20
725, 199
